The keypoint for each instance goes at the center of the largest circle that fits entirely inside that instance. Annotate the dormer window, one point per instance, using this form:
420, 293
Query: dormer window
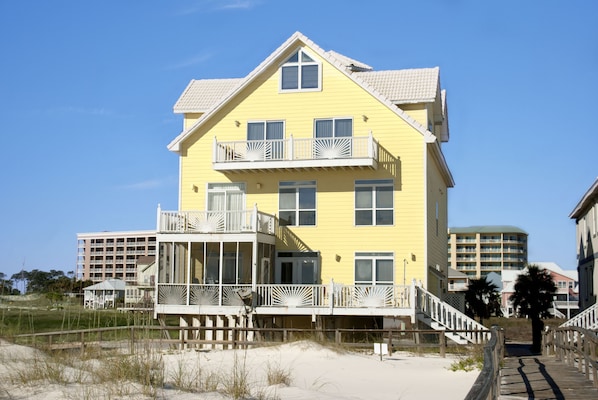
300, 73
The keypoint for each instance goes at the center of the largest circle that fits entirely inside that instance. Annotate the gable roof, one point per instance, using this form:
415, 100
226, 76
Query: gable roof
201, 95
405, 85
110, 284
219, 88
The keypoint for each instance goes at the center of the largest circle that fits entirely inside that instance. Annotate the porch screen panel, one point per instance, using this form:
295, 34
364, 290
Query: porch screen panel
245, 260
197, 262
180, 263
212, 268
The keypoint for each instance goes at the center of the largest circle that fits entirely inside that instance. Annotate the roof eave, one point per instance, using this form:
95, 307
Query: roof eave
583, 203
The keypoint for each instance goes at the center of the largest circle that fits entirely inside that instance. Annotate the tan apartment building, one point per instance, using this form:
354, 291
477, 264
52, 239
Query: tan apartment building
113, 255
478, 250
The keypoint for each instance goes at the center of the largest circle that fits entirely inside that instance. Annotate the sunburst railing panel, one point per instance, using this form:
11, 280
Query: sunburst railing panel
172, 294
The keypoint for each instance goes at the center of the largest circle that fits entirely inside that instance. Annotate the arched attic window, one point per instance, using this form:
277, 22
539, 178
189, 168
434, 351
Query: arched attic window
300, 72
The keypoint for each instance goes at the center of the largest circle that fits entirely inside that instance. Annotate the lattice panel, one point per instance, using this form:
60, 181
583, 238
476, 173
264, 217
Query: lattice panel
332, 148
172, 295
230, 297
292, 296
205, 296
373, 296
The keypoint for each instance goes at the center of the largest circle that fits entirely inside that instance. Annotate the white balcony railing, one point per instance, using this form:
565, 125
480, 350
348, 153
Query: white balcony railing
278, 295
215, 221
295, 153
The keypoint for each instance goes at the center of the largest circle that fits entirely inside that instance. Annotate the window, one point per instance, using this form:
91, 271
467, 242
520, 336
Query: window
300, 72
297, 203
374, 202
265, 140
374, 268
333, 137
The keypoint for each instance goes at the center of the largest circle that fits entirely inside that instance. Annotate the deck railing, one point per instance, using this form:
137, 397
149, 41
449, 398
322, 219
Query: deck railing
278, 295
587, 319
449, 317
196, 221
292, 149
576, 346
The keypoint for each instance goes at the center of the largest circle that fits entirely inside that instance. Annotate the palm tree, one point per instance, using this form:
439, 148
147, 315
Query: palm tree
532, 298
481, 299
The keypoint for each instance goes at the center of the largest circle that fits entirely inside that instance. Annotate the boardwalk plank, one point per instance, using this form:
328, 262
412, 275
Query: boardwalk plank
543, 377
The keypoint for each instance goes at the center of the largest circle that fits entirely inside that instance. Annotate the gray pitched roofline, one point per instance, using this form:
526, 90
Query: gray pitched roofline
487, 229
585, 201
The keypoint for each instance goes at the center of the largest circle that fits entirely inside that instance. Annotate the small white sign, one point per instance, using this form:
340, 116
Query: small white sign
381, 348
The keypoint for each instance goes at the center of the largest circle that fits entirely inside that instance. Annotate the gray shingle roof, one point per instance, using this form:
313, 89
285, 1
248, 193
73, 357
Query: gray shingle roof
405, 85
201, 95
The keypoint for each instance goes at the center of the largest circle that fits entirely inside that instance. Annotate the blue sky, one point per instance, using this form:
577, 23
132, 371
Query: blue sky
87, 89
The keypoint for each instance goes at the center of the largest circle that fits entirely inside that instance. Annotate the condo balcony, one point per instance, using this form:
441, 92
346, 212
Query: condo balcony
195, 221
291, 153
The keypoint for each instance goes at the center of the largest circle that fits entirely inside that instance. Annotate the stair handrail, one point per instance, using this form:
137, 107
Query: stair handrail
587, 319
448, 316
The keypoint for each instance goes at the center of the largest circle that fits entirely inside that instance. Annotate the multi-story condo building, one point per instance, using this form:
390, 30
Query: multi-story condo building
113, 255
585, 215
479, 250
313, 190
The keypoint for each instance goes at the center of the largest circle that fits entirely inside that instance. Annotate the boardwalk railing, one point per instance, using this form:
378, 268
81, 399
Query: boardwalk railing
576, 346
132, 338
487, 385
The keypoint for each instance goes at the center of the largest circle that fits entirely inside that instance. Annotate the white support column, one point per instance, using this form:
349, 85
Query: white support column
254, 265
188, 273
219, 332
183, 332
231, 324
209, 332
249, 324
196, 323
412, 301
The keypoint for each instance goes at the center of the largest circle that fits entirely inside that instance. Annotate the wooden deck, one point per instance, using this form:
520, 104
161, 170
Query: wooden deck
528, 376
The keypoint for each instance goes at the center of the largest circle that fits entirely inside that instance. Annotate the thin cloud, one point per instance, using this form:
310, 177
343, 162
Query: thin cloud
144, 185
93, 111
238, 4
218, 5
199, 59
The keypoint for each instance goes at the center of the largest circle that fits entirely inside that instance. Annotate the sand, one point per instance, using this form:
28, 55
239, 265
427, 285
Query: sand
311, 371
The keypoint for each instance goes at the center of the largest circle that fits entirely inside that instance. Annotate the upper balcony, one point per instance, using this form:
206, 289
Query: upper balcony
340, 152
196, 221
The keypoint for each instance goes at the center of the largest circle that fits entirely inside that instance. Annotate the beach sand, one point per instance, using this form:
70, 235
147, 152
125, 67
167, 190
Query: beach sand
310, 371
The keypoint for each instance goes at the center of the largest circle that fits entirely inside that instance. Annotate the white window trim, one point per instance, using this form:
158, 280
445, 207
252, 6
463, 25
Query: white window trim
298, 185
374, 183
299, 63
374, 256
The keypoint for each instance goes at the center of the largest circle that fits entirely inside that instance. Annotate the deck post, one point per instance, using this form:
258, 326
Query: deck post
331, 296
442, 340
132, 341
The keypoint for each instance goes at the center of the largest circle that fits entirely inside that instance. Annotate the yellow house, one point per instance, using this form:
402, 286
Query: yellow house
314, 190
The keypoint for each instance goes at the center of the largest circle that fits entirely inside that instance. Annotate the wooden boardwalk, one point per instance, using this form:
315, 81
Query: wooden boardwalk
527, 376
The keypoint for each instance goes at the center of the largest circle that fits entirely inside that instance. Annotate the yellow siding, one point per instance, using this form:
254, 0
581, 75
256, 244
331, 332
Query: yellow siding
335, 234
190, 119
